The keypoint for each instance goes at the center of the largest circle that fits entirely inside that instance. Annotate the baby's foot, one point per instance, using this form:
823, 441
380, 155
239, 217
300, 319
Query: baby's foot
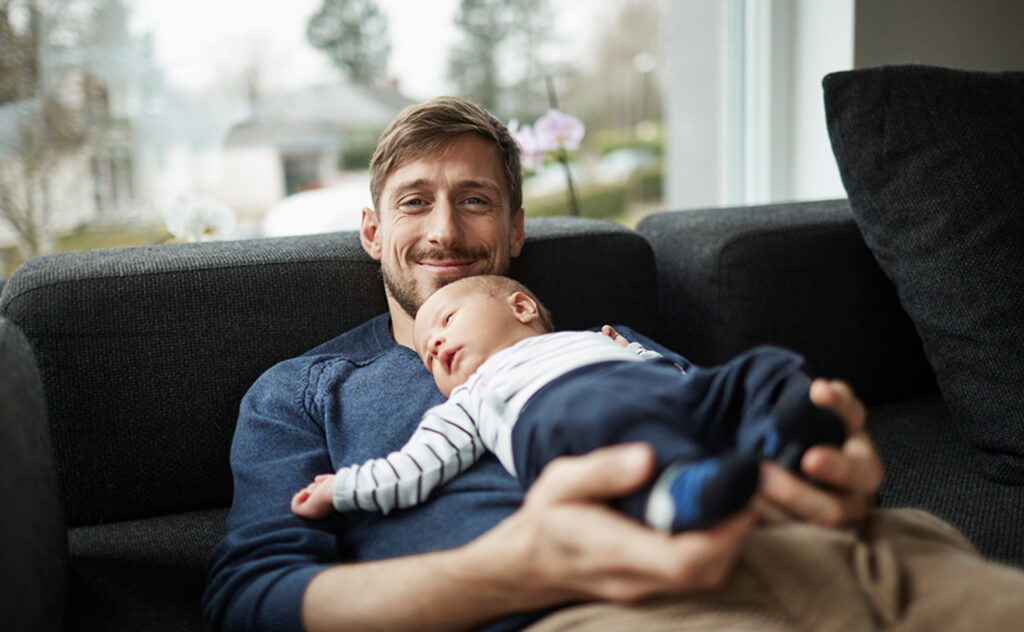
799, 424
697, 494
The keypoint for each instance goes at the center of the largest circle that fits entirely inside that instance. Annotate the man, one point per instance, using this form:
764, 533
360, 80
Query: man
446, 188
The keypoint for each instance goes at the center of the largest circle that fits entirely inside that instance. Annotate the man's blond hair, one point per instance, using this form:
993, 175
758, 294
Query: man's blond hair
423, 129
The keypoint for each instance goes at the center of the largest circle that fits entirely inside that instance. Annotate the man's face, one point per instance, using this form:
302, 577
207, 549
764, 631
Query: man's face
459, 327
445, 216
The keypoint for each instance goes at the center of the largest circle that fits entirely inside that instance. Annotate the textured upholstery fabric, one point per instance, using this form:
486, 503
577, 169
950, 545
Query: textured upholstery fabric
796, 275
33, 555
933, 164
141, 574
930, 465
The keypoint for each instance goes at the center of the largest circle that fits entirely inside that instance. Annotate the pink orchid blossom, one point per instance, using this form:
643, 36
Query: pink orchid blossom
530, 153
557, 130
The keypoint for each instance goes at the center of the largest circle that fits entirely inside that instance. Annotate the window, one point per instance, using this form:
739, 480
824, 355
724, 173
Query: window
112, 110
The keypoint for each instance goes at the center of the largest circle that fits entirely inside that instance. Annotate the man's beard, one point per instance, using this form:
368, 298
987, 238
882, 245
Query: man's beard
409, 295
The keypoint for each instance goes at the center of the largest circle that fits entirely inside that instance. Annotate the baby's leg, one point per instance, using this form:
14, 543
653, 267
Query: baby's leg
316, 500
625, 402
758, 403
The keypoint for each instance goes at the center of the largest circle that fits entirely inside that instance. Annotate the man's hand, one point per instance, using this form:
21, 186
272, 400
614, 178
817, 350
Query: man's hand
565, 544
848, 478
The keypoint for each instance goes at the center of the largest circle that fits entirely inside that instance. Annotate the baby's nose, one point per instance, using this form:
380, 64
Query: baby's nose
435, 344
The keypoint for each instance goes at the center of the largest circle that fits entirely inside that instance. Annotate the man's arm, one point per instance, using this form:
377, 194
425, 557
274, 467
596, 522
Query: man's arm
537, 558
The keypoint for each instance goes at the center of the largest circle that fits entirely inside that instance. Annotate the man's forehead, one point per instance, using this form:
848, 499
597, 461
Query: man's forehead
480, 164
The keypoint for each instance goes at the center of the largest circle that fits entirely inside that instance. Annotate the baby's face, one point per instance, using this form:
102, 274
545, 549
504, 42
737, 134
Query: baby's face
458, 328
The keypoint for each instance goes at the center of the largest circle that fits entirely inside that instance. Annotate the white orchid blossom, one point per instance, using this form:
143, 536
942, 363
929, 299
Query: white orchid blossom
200, 219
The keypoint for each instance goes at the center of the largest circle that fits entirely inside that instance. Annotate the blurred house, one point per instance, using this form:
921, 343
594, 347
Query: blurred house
295, 142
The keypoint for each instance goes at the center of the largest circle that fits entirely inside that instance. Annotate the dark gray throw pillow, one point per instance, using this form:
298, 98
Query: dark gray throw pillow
933, 162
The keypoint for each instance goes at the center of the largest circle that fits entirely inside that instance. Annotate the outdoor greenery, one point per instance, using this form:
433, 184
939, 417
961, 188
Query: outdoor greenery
622, 202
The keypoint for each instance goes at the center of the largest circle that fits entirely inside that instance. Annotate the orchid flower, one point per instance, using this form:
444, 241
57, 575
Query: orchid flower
557, 130
531, 155
200, 219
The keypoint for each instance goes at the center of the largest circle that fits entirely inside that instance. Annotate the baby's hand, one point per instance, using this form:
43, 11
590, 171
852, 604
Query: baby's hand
609, 331
316, 500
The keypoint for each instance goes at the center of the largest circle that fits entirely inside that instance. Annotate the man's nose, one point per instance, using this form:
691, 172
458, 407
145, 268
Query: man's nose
444, 228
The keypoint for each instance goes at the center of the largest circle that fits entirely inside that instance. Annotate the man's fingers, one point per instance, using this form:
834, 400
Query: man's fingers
855, 468
628, 561
838, 396
807, 502
603, 474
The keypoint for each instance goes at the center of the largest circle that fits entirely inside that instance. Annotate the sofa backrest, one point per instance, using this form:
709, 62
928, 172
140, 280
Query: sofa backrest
794, 274
146, 352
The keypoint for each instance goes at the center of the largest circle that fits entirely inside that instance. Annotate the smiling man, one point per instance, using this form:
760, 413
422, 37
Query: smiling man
449, 215
446, 186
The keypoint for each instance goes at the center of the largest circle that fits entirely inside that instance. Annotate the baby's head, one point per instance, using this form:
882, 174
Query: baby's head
467, 321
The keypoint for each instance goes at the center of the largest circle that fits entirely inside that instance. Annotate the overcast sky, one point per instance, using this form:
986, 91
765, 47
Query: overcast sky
198, 41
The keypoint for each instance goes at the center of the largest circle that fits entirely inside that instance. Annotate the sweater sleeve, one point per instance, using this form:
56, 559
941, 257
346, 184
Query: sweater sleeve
445, 443
258, 573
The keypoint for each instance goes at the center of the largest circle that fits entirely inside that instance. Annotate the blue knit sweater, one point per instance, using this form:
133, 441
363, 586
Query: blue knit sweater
355, 397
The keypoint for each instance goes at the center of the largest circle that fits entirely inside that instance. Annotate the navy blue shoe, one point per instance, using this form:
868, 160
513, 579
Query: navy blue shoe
697, 494
798, 425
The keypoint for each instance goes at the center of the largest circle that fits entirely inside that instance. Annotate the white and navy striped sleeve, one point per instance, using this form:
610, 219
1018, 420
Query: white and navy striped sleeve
446, 443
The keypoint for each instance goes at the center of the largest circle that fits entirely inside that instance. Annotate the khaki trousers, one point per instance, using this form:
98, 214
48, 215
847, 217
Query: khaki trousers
901, 570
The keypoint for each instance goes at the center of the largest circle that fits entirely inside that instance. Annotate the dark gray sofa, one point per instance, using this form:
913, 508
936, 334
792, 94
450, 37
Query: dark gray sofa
126, 367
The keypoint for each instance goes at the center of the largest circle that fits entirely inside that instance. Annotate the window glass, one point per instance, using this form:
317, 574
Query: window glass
140, 121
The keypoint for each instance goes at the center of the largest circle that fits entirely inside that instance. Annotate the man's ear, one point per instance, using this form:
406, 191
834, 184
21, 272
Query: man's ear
518, 233
369, 233
523, 307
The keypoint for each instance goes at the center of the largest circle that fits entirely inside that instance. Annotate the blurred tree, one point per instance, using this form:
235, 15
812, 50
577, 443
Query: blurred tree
500, 63
354, 34
55, 111
621, 89
42, 112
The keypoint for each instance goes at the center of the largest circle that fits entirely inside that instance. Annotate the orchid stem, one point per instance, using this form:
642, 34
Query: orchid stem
574, 208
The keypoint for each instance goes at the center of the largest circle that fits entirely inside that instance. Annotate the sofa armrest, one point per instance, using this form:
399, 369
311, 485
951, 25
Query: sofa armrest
797, 275
33, 545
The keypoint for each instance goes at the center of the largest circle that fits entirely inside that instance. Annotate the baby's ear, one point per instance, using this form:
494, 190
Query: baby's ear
523, 307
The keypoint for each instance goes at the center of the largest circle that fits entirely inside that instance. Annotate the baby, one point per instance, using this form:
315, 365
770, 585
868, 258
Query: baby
528, 396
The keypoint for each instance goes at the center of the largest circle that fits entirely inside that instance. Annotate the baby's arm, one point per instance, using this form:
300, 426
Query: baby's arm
445, 443
316, 500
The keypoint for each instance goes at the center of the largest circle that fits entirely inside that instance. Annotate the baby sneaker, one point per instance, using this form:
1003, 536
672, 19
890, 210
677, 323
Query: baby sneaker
697, 494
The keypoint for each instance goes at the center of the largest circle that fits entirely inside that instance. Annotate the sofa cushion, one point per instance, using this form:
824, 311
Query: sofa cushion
921, 444
141, 574
933, 164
